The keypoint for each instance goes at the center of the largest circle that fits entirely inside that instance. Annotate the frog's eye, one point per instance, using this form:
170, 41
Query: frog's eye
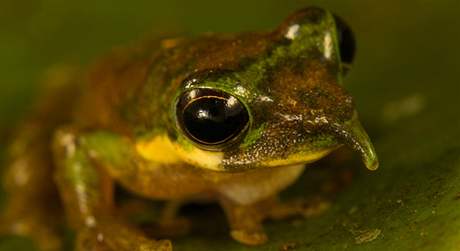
211, 117
347, 43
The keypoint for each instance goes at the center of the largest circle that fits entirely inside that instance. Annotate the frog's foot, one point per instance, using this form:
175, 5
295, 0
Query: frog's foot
245, 223
307, 208
113, 237
35, 226
249, 237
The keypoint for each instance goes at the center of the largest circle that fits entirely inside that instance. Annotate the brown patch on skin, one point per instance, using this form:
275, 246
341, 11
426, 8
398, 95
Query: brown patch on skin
227, 52
108, 84
315, 89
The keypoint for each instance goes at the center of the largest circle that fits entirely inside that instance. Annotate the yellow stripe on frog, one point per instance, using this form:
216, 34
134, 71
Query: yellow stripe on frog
160, 149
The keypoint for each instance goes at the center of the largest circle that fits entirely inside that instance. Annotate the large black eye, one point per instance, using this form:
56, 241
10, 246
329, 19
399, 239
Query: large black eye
347, 43
211, 117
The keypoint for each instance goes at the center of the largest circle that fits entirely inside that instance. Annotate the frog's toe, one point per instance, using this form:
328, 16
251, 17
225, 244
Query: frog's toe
249, 237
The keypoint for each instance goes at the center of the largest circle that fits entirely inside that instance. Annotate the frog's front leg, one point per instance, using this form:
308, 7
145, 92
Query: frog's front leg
85, 166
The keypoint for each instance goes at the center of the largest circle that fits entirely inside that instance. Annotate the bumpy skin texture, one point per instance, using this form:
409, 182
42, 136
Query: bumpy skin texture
123, 128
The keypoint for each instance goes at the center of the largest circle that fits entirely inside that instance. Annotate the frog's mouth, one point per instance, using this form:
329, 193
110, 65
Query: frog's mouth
299, 158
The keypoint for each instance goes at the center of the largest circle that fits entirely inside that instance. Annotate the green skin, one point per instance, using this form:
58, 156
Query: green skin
289, 80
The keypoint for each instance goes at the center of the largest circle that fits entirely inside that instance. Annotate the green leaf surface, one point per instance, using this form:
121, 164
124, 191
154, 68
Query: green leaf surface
405, 83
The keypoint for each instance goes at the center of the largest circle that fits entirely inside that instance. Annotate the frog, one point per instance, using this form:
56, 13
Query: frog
228, 118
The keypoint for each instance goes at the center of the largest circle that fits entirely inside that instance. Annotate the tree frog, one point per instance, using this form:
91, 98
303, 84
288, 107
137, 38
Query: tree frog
231, 118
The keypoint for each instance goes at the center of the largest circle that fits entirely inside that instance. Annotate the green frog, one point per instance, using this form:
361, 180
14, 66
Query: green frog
231, 118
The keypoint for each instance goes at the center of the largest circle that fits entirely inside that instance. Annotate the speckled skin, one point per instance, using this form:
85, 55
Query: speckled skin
124, 129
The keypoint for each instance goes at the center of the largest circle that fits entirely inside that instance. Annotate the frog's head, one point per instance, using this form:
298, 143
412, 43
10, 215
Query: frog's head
283, 107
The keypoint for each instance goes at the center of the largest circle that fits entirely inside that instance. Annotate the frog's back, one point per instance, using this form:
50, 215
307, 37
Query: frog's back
110, 83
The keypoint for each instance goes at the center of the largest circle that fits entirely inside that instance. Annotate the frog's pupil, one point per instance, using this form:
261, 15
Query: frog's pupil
213, 120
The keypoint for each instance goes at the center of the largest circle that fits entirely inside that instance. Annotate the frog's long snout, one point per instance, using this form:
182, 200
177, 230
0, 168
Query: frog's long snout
353, 135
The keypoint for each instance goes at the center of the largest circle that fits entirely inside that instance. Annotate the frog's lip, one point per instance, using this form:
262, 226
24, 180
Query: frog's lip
300, 158
353, 135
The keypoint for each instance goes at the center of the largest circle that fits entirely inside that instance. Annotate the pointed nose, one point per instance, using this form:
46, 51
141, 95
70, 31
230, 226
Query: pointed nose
353, 135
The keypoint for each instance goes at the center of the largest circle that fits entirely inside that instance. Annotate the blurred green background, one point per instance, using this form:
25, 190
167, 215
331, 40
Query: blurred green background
405, 82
